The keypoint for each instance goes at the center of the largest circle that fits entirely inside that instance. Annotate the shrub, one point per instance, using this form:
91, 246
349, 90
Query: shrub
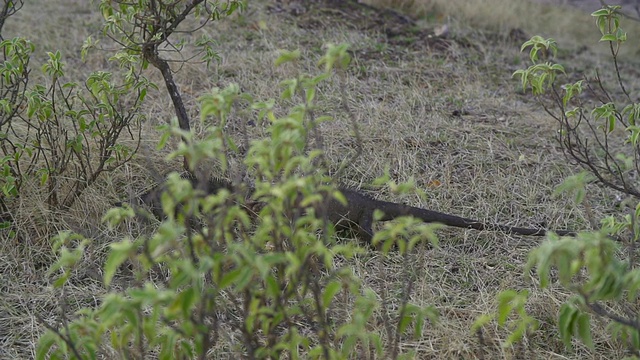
599, 267
256, 276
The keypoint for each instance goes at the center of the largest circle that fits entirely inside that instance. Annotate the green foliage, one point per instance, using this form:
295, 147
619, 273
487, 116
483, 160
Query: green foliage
590, 266
141, 28
539, 76
574, 323
597, 267
265, 259
608, 21
540, 45
511, 314
62, 135
576, 185
404, 234
14, 74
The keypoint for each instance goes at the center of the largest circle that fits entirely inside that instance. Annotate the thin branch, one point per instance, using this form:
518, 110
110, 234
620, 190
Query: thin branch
598, 309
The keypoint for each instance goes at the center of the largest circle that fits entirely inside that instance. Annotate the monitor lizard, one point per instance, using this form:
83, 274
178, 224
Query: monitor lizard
358, 212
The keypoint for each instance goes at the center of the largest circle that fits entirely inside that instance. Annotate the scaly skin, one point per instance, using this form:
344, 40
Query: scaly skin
357, 214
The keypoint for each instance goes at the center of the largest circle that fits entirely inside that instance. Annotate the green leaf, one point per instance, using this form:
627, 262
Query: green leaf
44, 176
287, 56
311, 92
186, 300
566, 322
480, 322
46, 341
232, 145
584, 330
575, 184
229, 278
418, 324
504, 305
61, 280
244, 278
142, 95
330, 291
601, 12
272, 287
119, 253
635, 338
166, 135
405, 320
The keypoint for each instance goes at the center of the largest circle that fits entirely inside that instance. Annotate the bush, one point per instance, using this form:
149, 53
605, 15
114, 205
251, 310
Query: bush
271, 282
63, 135
251, 273
599, 267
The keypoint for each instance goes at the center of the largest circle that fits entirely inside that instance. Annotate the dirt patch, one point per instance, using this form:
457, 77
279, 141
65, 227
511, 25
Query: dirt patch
395, 34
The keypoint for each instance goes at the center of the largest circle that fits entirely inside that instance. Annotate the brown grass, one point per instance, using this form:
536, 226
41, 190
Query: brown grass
497, 162
571, 26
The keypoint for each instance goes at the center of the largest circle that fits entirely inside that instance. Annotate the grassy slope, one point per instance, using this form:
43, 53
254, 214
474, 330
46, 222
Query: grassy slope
497, 162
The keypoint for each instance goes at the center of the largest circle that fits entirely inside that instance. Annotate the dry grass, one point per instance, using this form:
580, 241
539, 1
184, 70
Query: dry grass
497, 162
549, 18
